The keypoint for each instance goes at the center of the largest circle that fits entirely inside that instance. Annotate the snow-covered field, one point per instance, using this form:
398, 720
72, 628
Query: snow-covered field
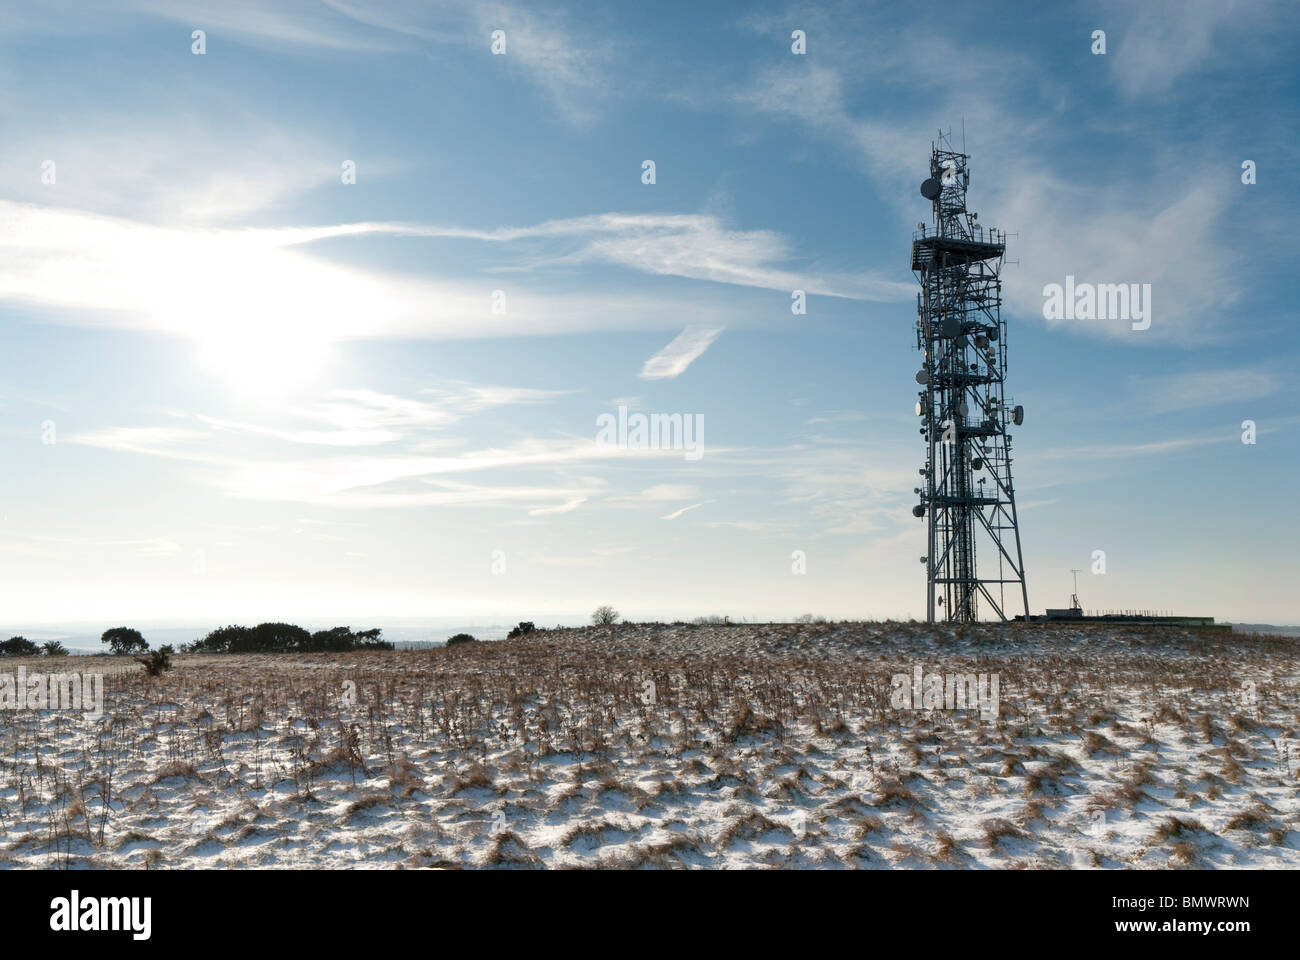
675, 746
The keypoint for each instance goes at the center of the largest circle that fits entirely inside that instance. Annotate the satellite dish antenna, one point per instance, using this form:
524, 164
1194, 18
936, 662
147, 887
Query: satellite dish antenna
919, 408
922, 376
951, 327
1018, 416
930, 189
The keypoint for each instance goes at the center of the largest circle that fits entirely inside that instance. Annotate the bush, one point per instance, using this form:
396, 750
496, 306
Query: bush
369, 640
123, 640
157, 660
461, 638
604, 616
52, 648
287, 638
525, 627
342, 638
279, 638
18, 647
220, 640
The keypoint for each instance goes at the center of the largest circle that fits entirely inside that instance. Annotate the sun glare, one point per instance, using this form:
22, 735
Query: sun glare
267, 326
265, 363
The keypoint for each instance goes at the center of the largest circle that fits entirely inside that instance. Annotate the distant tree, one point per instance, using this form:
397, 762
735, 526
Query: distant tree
369, 640
604, 616
156, 661
52, 648
123, 640
525, 627
343, 638
337, 638
287, 638
18, 647
461, 638
222, 640
278, 638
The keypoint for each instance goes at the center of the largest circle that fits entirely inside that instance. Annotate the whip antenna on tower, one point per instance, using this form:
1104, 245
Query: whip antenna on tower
966, 494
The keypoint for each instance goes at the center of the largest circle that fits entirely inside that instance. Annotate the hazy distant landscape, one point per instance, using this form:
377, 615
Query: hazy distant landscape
675, 746
84, 638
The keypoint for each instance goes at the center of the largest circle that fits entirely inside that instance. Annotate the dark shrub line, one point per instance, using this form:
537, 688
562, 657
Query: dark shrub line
286, 638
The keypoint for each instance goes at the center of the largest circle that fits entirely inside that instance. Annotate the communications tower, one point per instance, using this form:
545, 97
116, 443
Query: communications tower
966, 493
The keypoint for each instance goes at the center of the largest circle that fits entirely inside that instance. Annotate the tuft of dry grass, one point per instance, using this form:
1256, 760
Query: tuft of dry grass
1178, 827
946, 846
996, 829
366, 802
176, 768
1250, 817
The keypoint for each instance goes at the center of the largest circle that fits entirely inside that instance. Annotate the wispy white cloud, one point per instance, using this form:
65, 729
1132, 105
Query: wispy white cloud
695, 246
1153, 45
359, 418
274, 25
568, 63
749, 526
463, 495
470, 398
229, 288
147, 546
835, 416
677, 513
666, 491
567, 507
1123, 451
681, 352
838, 488
1023, 505
185, 171
367, 480
1122, 236
1168, 393
556, 53
352, 418
171, 442
596, 557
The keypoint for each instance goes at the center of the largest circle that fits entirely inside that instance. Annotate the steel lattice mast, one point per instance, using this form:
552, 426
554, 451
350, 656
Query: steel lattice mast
967, 494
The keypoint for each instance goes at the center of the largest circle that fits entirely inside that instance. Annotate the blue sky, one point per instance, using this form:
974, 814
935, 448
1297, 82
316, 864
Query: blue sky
236, 387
